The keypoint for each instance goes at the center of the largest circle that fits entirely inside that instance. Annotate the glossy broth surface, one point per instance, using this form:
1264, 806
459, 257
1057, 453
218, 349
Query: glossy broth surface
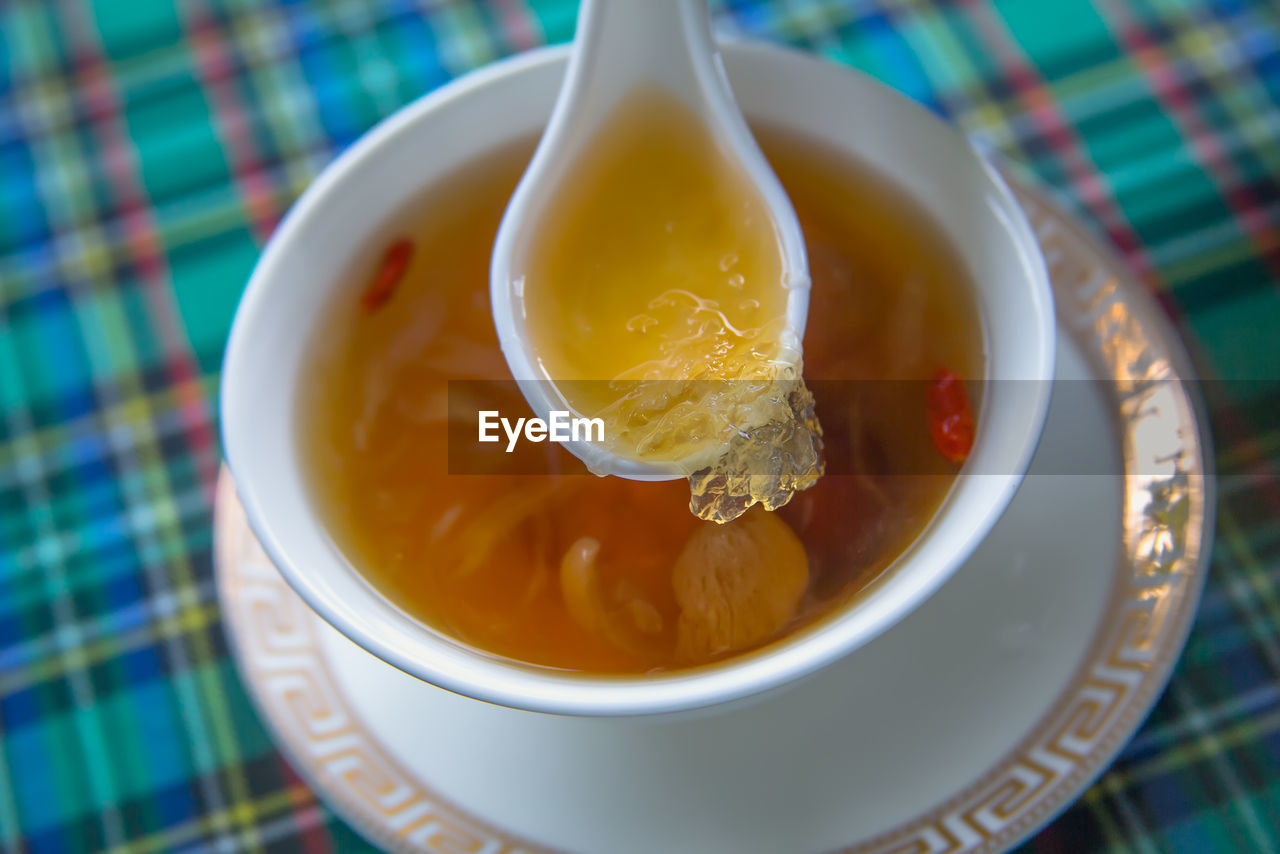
628, 252
601, 574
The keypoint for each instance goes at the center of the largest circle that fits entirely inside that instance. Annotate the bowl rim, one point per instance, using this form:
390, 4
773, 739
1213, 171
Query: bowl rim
523, 686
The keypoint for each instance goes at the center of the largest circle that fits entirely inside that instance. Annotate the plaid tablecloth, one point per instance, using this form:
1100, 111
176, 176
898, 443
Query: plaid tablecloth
148, 147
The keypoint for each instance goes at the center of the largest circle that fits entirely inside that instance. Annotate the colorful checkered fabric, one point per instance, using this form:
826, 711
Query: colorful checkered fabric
148, 147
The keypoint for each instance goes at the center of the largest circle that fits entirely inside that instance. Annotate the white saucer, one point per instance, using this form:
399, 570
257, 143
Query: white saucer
964, 728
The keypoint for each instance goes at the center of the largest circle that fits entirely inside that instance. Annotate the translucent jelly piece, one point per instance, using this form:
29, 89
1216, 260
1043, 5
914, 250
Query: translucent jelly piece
767, 463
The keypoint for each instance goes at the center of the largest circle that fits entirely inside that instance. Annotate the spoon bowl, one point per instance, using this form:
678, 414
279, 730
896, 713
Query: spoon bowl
622, 47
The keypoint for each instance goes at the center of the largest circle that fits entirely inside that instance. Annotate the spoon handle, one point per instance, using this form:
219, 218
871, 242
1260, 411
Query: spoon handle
663, 43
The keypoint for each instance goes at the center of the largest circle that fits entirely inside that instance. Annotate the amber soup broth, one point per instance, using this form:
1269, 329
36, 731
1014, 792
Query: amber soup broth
478, 556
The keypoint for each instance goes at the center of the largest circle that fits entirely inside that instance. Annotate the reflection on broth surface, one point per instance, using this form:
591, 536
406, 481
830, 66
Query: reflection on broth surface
609, 575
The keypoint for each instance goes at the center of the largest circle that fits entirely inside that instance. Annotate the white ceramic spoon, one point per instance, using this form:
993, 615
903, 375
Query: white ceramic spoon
620, 46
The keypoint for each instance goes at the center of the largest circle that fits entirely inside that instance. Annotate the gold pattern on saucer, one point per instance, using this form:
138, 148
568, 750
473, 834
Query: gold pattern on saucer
279, 656
1167, 506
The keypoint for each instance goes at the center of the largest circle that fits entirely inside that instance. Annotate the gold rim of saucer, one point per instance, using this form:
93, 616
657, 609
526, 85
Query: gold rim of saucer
1166, 508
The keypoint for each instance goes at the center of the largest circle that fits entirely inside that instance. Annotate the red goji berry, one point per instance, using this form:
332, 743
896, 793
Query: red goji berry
394, 262
950, 416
